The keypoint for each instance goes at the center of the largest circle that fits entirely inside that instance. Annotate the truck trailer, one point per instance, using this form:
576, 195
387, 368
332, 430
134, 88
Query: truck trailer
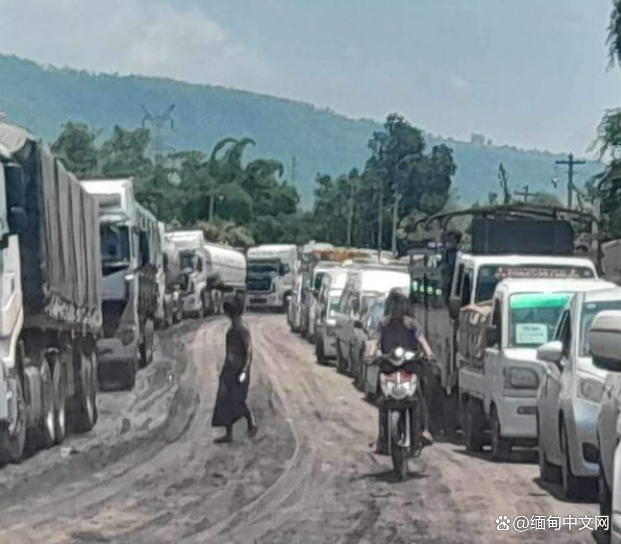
130, 252
51, 308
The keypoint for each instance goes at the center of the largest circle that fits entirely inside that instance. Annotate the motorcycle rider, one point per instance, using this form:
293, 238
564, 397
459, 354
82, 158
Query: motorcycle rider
400, 329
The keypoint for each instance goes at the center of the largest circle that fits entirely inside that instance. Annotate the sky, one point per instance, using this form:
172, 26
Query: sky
530, 73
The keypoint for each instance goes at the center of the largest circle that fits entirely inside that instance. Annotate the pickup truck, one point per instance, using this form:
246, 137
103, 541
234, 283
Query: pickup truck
499, 373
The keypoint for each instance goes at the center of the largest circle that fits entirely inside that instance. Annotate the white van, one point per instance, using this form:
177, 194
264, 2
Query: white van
363, 286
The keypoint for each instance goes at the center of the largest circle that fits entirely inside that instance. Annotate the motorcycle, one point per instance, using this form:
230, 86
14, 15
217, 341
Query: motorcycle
401, 397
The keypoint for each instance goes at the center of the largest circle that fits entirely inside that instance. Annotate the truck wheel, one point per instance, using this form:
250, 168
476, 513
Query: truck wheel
146, 348
473, 425
13, 437
46, 433
85, 414
60, 402
501, 447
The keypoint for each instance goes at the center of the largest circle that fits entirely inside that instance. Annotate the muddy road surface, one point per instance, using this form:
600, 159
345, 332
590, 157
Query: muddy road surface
150, 473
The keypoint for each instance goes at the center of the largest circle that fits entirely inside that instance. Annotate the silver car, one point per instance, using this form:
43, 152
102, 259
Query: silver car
570, 392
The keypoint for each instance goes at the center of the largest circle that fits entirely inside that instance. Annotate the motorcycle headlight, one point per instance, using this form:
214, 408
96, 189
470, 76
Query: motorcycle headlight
590, 389
399, 352
520, 378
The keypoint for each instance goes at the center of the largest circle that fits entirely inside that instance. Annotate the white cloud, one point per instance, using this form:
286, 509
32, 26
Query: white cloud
458, 83
130, 36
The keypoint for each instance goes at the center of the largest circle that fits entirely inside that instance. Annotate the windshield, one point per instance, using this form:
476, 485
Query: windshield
491, 275
187, 261
589, 311
333, 306
262, 268
115, 249
533, 318
377, 314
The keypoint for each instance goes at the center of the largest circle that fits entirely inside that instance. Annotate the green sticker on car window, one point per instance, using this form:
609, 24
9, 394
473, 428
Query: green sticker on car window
539, 300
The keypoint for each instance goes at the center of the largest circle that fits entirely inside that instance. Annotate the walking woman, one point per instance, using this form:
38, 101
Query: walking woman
235, 376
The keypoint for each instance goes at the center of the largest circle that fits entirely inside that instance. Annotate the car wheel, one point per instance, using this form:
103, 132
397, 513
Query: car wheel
571, 483
473, 425
501, 447
547, 471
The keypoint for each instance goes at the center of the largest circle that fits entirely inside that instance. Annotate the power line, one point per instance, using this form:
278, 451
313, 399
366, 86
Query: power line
570, 163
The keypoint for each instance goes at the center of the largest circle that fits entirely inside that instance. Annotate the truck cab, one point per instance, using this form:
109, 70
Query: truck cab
271, 276
193, 272
130, 252
499, 373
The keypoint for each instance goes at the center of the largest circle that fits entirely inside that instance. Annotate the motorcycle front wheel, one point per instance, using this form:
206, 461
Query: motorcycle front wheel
398, 453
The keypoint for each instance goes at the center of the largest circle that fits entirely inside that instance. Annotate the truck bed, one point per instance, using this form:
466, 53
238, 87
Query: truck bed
59, 250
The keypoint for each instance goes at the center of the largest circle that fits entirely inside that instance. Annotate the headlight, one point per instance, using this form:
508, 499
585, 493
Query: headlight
520, 378
399, 352
590, 389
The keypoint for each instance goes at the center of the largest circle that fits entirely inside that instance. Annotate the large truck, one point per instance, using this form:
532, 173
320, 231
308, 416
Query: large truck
171, 297
192, 271
130, 253
271, 276
50, 298
513, 241
226, 273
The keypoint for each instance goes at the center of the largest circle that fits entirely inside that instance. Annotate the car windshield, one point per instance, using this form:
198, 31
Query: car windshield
377, 313
589, 311
491, 275
114, 245
533, 317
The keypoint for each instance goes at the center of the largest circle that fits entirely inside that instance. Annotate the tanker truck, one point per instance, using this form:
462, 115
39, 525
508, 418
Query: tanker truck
50, 298
226, 273
130, 251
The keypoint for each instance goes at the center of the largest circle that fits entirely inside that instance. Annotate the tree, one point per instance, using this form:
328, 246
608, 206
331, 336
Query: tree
75, 147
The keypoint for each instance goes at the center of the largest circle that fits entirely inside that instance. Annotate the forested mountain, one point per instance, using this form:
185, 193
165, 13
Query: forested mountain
43, 98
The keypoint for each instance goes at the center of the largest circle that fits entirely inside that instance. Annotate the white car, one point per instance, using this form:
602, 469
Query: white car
605, 347
570, 393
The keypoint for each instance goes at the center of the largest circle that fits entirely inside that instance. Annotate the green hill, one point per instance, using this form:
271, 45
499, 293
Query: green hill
41, 98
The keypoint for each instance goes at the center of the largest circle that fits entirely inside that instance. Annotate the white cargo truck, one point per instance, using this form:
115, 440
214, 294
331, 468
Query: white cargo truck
271, 276
50, 298
130, 252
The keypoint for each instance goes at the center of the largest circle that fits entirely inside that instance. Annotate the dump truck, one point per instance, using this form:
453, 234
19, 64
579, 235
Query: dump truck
50, 311
512, 241
130, 253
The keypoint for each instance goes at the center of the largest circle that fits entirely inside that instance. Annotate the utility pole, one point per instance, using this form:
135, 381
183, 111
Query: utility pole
526, 193
571, 163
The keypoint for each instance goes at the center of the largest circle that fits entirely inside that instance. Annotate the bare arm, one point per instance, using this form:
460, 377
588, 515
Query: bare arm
425, 347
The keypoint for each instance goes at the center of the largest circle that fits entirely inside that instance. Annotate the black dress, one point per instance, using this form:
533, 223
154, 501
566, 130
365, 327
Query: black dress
231, 399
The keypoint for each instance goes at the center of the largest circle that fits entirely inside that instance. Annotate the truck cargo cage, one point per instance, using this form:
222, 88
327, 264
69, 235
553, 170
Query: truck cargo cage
513, 228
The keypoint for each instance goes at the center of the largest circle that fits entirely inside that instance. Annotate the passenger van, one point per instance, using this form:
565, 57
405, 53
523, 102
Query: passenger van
363, 287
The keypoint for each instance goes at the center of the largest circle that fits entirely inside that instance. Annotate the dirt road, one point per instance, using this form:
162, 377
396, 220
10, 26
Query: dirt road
149, 472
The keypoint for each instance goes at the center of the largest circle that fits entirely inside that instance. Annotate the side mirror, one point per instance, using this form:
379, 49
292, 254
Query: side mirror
552, 352
454, 306
605, 339
358, 324
491, 336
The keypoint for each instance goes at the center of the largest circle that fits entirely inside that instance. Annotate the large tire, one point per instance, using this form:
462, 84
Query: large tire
60, 402
474, 423
571, 484
46, 432
13, 439
547, 471
85, 414
501, 447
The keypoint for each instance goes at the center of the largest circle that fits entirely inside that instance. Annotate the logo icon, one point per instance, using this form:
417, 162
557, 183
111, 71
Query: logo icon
502, 523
